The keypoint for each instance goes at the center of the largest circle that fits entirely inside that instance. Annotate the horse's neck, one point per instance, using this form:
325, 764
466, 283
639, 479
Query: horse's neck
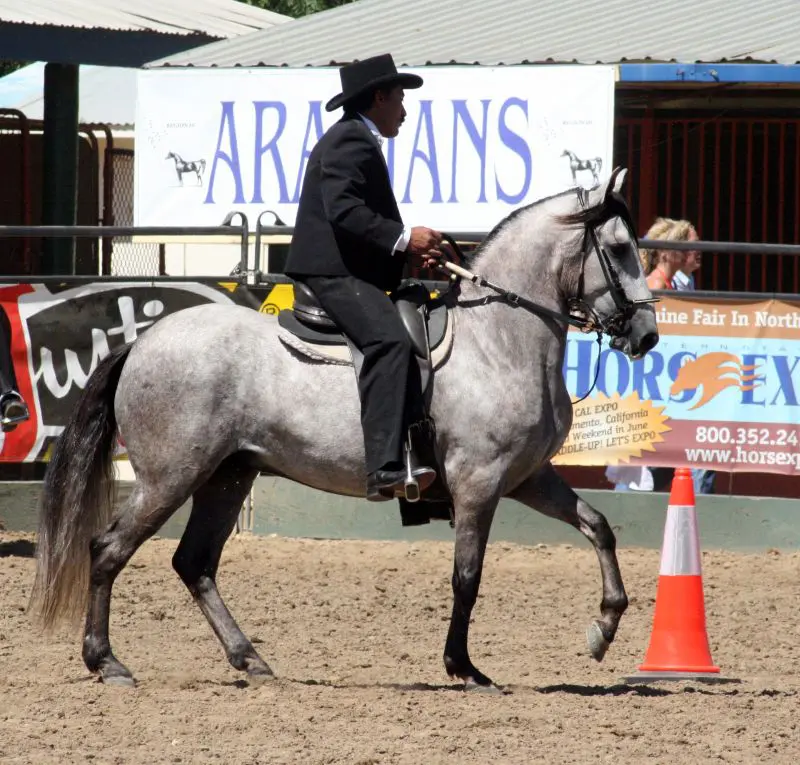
513, 357
502, 329
519, 259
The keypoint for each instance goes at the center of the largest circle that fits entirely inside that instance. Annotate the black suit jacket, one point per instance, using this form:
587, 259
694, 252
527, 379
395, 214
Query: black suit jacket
347, 221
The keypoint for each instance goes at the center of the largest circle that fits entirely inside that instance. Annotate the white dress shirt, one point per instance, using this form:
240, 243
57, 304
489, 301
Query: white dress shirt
402, 243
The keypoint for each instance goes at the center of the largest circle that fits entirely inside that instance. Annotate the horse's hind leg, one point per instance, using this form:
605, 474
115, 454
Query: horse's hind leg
215, 507
548, 493
138, 519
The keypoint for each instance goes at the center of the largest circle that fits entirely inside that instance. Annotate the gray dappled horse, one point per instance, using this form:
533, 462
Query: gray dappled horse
209, 397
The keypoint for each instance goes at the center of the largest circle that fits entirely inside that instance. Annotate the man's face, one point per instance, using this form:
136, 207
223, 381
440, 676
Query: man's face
388, 112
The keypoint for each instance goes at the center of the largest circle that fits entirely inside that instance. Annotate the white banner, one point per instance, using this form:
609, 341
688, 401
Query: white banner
478, 142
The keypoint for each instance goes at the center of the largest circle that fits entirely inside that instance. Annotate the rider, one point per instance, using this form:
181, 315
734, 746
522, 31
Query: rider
349, 247
13, 409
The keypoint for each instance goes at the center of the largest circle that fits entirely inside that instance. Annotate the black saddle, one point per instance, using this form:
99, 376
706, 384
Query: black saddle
424, 317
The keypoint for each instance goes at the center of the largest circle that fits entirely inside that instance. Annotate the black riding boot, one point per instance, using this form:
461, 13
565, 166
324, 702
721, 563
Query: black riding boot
13, 409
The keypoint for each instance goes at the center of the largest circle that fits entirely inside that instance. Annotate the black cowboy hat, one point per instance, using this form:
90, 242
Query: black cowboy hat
370, 74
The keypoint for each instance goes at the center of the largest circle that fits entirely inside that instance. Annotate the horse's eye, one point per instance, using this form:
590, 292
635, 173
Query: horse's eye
619, 249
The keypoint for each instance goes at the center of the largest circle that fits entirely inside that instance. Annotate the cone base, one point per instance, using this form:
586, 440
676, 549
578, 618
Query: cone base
697, 669
654, 677
678, 641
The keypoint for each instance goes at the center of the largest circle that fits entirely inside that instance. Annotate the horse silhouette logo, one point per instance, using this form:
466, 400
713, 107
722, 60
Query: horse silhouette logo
196, 166
714, 373
576, 165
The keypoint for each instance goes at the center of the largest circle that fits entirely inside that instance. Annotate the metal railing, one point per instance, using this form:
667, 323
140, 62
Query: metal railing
226, 230
740, 248
280, 235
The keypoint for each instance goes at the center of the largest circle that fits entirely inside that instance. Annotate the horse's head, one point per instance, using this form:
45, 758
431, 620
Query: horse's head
604, 280
171, 155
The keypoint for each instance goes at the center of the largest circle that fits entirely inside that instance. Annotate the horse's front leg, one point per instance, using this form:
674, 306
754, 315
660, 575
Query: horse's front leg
548, 493
473, 519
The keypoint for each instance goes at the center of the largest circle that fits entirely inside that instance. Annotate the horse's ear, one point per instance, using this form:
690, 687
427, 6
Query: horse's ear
619, 178
601, 193
615, 182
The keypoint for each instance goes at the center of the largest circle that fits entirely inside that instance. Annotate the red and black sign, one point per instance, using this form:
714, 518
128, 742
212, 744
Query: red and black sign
59, 333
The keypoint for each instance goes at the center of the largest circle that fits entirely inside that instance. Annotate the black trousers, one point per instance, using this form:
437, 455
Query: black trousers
8, 380
389, 384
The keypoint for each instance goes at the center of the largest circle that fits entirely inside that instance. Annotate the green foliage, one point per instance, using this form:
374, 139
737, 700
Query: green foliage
296, 8
6, 67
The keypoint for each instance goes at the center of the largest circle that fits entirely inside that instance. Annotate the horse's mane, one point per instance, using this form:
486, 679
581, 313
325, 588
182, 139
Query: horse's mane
612, 206
503, 224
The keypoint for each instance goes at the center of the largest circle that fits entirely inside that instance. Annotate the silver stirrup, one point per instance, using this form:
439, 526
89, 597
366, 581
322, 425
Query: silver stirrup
411, 485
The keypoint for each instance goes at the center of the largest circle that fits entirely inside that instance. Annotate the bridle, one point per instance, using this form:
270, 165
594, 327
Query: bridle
615, 324
579, 313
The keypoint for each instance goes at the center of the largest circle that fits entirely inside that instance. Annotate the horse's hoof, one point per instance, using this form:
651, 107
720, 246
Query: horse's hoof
120, 681
598, 645
257, 669
259, 678
472, 687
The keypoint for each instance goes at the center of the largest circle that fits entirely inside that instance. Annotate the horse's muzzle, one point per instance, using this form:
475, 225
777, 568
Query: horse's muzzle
646, 344
642, 335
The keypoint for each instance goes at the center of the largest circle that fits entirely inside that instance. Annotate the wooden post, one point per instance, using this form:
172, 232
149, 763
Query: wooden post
60, 164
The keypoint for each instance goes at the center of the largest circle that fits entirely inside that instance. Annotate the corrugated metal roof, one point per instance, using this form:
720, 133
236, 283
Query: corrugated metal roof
214, 18
107, 94
491, 32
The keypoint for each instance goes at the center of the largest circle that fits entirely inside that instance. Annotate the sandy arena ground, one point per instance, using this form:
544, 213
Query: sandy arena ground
355, 632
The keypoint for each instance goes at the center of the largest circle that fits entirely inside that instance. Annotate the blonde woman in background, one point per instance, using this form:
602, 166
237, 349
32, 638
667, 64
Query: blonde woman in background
671, 269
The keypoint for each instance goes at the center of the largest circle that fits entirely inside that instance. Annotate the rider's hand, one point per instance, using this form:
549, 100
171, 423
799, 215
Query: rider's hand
423, 240
432, 258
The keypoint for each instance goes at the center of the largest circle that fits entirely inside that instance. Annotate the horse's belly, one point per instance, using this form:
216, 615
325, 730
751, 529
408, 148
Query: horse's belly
308, 428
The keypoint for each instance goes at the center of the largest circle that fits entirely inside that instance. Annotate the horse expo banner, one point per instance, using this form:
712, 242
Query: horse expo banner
477, 143
720, 390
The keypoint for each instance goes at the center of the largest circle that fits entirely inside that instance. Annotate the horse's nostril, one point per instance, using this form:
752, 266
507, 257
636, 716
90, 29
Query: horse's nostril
648, 342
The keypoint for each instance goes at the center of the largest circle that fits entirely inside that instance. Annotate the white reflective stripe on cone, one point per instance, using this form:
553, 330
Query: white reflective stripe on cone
681, 552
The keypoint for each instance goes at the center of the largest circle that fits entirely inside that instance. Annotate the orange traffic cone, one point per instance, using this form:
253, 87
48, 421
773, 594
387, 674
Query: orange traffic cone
678, 647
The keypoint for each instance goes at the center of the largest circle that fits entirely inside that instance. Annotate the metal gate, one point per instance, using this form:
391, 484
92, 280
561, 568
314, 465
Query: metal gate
735, 178
15, 191
129, 258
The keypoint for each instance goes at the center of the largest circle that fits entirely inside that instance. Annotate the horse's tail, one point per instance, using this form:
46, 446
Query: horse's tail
77, 498
202, 165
